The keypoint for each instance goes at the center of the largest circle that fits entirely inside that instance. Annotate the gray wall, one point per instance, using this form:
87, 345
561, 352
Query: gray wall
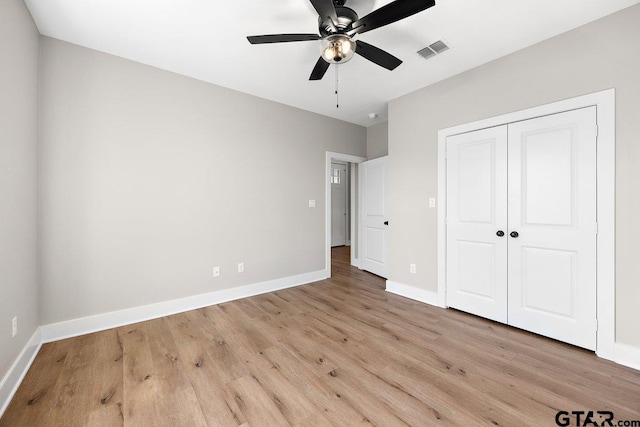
378, 140
597, 56
18, 178
149, 179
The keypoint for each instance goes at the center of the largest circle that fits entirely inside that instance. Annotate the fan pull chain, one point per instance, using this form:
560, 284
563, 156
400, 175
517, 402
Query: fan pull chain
337, 96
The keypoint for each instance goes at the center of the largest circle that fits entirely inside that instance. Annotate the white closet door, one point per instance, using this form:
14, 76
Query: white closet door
552, 208
476, 213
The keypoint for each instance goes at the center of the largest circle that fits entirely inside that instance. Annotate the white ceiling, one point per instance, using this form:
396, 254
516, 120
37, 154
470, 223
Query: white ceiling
206, 40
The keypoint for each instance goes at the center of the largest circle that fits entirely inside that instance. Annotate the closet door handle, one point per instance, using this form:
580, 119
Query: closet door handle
500, 233
386, 223
514, 234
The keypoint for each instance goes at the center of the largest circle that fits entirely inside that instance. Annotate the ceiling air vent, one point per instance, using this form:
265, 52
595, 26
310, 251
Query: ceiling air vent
433, 49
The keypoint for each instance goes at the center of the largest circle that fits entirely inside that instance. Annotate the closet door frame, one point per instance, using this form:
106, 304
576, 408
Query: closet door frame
604, 102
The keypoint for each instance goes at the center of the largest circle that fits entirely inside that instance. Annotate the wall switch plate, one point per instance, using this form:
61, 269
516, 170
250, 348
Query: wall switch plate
432, 202
216, 271
312, 203
412, 268
14, 326
241, 267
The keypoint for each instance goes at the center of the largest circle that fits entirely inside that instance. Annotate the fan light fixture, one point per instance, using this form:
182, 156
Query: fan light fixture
337, 24
337, 48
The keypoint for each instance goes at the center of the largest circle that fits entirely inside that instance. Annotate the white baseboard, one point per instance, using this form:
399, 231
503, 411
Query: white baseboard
422, 295
18, 370
628, 356
101, 322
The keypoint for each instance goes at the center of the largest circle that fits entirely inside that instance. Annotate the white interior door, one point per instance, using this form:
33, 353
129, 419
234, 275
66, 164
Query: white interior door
373, 181
552, 208
477, 222
339, 188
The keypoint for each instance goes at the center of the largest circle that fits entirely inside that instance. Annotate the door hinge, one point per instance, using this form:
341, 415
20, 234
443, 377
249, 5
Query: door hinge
596, 130
596, 228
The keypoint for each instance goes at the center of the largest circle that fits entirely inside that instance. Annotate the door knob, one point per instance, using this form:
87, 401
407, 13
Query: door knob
500, 233
514, 234
386, 223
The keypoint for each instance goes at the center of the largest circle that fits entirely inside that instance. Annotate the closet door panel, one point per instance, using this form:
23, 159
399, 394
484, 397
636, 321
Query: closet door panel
552, 208
476, 211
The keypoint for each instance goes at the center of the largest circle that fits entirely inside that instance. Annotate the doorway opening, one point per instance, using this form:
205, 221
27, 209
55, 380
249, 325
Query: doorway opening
345, 180
340, 207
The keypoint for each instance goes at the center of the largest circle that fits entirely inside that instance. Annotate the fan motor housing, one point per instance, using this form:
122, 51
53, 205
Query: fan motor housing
346, 16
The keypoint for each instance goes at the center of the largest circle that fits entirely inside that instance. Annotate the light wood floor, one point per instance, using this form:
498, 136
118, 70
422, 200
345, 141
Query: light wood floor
341, 352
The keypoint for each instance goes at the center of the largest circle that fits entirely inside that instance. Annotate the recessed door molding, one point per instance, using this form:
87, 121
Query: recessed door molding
604, 102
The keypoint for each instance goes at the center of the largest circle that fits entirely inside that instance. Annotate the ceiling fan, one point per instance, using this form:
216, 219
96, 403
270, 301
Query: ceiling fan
338, 25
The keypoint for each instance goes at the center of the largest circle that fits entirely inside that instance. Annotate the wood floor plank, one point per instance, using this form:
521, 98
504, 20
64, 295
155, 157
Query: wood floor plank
335, 409
294, 406
291, 335
338, 352
106, 391
316, 419
232, 318
227, 363
203, 372
76, 396
142, 391
255, 404
34, 399
340, 327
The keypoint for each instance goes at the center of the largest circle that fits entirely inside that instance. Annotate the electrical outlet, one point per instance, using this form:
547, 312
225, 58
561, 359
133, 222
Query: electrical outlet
14, 326
432, 202
312, 203
412, 268
241, 267
216, 271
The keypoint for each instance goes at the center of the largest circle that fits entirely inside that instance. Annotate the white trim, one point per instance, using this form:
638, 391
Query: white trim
606, 214
605, 103
11, 381
353, 174
407, 291
360, 218
628, 356
331, 156
101, 322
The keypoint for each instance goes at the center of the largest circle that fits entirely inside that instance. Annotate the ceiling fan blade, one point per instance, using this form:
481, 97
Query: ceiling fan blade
326, 10
388, 14
318, 71
281, 38
377, 55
